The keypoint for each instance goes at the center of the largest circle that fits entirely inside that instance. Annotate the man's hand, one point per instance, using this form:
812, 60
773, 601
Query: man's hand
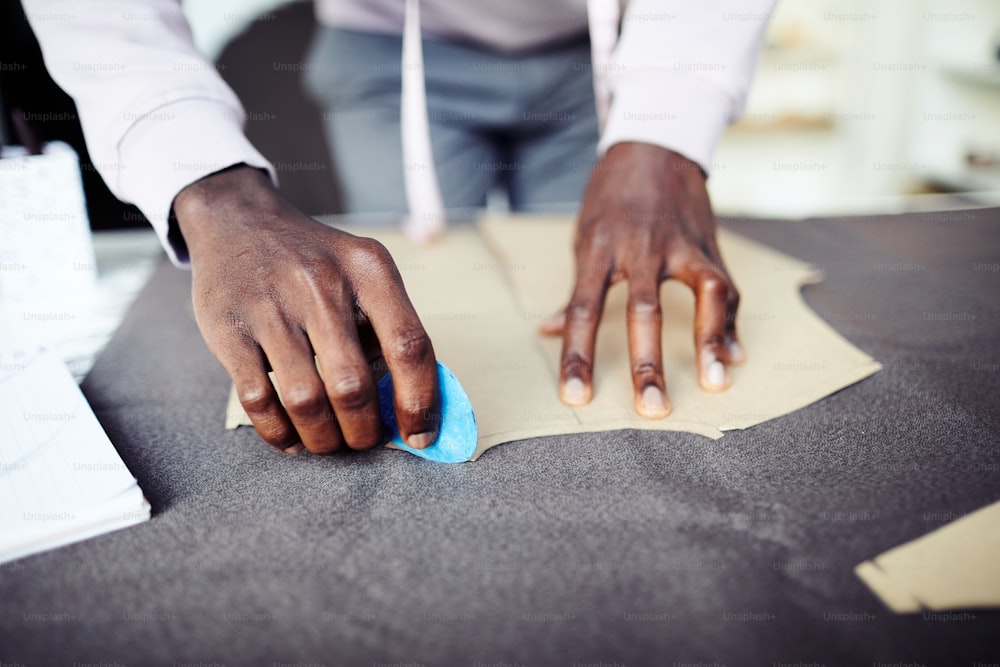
646, 218
272, 288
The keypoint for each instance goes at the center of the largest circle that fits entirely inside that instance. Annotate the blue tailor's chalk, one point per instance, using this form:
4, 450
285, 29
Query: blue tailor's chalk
456, 441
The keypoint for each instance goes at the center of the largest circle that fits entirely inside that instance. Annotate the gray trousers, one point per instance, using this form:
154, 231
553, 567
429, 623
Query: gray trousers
523, 122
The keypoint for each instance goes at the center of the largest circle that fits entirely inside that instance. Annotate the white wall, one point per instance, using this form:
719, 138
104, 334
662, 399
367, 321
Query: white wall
856, 106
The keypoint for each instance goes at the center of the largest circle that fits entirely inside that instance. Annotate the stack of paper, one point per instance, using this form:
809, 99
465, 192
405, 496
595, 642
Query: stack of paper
61, 479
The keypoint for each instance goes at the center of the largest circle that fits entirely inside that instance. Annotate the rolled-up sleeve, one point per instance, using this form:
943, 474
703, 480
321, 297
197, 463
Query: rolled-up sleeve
681, 72
155, 113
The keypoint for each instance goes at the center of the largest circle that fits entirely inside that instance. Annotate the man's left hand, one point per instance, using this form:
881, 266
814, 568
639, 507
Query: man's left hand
646, 218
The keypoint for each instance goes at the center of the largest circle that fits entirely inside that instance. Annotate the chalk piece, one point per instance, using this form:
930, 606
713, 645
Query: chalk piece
457, 439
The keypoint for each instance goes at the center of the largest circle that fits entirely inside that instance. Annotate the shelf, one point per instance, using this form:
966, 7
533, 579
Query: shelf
980, 75
754, 122
971, 180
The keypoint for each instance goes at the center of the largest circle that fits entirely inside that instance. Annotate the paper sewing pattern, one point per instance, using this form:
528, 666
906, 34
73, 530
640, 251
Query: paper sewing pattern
482, 291
956, 566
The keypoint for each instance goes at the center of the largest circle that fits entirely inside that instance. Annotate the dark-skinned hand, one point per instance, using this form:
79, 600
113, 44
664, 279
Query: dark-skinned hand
275, 289
646, 218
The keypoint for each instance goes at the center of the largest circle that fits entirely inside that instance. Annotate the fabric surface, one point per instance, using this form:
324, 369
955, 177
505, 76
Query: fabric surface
627, 547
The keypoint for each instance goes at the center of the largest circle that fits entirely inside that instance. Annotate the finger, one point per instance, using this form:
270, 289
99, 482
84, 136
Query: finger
734, 351
303, 393
645, 325
346, 375
583, 314
711, 322
372, 352
405, 345
248, 369
553, 326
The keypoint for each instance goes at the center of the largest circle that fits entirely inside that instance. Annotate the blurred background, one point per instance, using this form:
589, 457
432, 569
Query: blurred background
858, 107
869, 106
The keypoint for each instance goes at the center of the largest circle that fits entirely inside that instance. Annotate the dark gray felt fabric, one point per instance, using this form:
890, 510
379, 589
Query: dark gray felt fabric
621, 547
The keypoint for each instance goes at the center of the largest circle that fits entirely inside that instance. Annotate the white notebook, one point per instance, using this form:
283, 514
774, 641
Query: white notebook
61, 479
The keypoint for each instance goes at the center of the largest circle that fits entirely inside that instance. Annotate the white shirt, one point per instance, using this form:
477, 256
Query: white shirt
157, 116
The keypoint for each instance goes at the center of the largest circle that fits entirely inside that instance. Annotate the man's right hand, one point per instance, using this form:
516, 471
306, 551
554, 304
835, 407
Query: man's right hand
273, 288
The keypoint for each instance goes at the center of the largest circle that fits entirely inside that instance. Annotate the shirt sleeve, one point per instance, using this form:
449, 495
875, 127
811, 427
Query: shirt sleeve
681, 71
155, 113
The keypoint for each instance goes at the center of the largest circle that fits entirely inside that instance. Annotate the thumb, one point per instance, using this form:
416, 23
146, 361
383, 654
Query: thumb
554, 325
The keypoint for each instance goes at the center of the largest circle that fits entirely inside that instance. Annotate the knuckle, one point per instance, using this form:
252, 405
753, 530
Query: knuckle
412, 346
257, 398
646, 368
351, 392
712, 341
369, 254
304, 400
579, 310
313, 272
644, 306
417, 409
716, 288
576, 365
228, 334
595, 259
236, 322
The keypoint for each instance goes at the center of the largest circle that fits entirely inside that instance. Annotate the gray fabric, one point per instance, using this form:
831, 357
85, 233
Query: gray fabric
622, 547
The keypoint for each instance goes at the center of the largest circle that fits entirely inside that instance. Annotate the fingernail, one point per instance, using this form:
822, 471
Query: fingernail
421, 440
736, 352
294, 449
652, 399
575, 392
716, 374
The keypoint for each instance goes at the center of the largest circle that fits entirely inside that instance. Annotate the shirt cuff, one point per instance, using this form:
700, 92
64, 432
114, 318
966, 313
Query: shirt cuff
675, 110
171, 147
